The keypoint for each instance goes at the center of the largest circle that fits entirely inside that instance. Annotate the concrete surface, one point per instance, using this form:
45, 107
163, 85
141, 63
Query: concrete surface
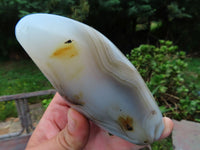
186, 135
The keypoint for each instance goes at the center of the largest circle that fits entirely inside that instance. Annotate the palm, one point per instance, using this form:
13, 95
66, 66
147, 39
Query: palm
55, 119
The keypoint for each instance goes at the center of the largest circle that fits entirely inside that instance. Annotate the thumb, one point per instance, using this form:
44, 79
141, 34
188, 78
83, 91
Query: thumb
73, 137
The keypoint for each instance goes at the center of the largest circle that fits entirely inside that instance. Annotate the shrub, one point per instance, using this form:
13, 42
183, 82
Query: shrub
7, 109
162, 68
46, 102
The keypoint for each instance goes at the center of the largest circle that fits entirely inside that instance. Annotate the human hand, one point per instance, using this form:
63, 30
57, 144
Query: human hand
63, 128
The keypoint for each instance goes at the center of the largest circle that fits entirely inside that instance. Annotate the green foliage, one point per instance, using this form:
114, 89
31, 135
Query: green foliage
127, 23
20, 77
189, 107
155, 25
80, 11
140, 8
7, 109
159, 64
192, 73
46, 102
165, 144
163, 69
130, 21
117, 19
25, 7
12, 10
176, 12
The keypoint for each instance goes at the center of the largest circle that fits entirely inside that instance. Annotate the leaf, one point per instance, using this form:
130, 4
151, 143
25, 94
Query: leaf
163, 109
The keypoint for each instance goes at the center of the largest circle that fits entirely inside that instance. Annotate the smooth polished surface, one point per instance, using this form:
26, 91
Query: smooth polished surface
93, 75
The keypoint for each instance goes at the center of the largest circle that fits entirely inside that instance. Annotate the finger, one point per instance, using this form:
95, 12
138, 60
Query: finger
52, 122
168, 127
73, 137
77, 131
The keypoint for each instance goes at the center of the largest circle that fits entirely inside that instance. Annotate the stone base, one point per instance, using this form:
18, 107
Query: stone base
186, 135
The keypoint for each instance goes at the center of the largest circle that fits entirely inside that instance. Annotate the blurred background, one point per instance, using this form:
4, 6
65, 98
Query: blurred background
160, 37
128, 23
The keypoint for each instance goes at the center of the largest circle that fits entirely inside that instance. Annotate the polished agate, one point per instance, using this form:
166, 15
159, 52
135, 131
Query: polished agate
93, 75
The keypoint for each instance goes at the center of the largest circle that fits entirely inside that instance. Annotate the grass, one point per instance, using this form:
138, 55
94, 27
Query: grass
164, 144
192, 73
20, 77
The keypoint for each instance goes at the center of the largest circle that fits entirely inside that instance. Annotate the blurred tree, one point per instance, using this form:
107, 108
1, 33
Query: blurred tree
128, 23
8, 15
12, 10
117, 19
186, 30
177, 19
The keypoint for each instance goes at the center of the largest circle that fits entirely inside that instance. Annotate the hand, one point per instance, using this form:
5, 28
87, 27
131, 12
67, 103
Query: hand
63, 128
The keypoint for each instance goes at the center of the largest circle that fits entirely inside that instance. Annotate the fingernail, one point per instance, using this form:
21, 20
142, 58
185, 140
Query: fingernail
71, 122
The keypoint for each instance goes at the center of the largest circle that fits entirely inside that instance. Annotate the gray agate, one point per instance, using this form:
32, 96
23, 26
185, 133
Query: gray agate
93, 75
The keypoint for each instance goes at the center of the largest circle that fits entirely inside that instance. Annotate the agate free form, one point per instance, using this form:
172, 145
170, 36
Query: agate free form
93, 75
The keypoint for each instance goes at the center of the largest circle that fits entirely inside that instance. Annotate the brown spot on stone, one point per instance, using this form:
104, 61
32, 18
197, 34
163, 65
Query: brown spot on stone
78, 96
146, 142
68, 41
74, 101
126, 123
77, 99
153, 112
110, 134
67, 51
